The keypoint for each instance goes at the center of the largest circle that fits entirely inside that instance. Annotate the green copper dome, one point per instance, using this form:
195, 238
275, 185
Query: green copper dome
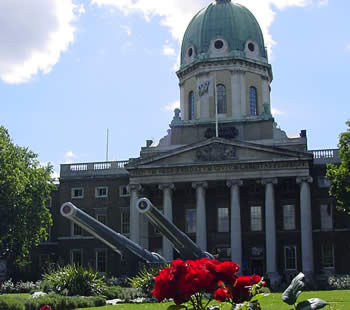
223, 29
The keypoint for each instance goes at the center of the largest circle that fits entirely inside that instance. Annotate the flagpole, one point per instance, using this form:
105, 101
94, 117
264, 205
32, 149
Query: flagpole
107, 144
216, 110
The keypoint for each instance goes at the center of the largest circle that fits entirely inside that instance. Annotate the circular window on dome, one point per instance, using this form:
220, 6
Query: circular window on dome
251, 47
219, 44
190, 52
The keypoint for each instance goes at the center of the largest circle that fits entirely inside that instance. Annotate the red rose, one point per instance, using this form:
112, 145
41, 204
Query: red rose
222, 294
240, 290
227, 272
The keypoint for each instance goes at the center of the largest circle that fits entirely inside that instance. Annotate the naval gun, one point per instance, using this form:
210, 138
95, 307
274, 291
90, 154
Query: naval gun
114, 240
180, 241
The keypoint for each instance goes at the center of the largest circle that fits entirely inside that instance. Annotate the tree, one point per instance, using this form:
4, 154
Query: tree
24, 188
340, 175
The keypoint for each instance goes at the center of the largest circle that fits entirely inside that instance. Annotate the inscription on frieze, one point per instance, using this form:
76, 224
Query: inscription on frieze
216, 152
199, 169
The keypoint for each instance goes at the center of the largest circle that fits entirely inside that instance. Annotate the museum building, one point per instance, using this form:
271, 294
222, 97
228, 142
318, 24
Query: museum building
225, 173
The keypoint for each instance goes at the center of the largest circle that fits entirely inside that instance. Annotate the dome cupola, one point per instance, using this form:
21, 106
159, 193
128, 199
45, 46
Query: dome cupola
223, 30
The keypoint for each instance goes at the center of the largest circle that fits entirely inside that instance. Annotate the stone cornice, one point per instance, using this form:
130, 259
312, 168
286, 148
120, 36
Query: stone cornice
225, 62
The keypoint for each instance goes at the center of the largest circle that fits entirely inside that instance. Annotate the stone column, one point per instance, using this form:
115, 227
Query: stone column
236, 233
307, 258
168, 252
201, 219
270, 230
134, 214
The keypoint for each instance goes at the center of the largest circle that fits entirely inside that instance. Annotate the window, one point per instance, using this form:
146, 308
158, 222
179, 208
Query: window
290, 257
76, 230
102, 218
125, 222
255, 218
101, 192
326, 217
77, 192
101, 260
124, 191
288, 217
221, 98
190, 221
327, 256
76, 257
253, 101
223, 221
191, 105
223, 252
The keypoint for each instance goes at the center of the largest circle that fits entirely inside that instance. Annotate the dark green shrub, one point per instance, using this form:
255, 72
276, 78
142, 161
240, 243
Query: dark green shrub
129, 294
144, 279
113, 292
58, 302
73, 280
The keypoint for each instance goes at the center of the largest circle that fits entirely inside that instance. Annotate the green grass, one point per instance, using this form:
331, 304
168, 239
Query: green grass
23, 295
338, 300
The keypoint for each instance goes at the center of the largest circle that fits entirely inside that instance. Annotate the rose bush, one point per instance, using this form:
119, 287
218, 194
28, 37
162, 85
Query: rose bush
187, 281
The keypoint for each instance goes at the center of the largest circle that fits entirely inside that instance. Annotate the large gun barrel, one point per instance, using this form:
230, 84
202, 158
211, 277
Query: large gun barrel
181, 242
108, 236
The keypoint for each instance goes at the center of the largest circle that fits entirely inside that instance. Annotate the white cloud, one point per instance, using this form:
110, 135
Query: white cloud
127, 29
176, 14
276, 112
322, 3
69, 154
33, 34
168, 51
173, 106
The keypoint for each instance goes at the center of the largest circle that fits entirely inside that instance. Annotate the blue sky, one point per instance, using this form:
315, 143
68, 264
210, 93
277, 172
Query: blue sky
71, 69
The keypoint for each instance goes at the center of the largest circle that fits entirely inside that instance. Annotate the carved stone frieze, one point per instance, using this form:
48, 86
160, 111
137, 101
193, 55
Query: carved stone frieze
216, 152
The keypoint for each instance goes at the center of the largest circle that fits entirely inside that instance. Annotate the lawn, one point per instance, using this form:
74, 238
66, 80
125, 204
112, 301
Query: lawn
338, 300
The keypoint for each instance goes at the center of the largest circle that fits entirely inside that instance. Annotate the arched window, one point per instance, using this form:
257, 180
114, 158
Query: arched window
253, 101
221, 98
191, 105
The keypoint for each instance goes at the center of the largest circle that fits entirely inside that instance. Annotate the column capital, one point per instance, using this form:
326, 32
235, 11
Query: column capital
200, 184
230, 183
135, 187
164, 186
273, 181
307, 179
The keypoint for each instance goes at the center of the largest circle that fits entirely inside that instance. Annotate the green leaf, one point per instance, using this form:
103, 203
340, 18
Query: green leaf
311, 304
258, 297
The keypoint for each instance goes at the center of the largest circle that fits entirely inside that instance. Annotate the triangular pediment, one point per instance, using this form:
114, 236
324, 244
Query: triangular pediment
216, 150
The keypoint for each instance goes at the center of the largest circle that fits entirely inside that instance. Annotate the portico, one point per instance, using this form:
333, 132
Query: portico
193, 193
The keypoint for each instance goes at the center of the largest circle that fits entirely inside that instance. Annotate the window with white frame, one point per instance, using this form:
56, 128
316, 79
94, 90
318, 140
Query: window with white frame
76, 230
223, 220
190, 221
101, 192
124, 191
101, 260
77, 193
290, 257
326, 216
125, 222
289, 217
327, 256
255, 218
76, 257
